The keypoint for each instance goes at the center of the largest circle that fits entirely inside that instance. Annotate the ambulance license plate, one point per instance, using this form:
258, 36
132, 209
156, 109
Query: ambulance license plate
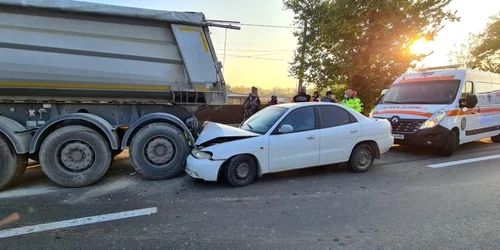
398, 136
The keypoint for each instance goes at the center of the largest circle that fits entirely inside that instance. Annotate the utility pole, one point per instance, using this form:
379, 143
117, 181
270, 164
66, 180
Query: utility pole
302, 56
224, 58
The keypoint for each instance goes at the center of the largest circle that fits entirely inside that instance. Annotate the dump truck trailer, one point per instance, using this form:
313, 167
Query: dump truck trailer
81, 82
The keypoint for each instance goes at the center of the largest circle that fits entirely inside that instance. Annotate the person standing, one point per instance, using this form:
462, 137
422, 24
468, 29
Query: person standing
351, 101
328, 97
316, 96
274, 101
302, 96
251, 104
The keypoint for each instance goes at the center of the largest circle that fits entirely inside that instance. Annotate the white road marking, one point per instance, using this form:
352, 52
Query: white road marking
32, 191
76, 222
454, 163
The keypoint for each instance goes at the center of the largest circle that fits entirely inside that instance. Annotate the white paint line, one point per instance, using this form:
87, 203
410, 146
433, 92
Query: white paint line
76, 222
32, 191
454, 163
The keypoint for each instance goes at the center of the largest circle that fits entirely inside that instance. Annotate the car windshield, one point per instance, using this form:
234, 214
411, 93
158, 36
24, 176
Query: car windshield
431, 92
263, 120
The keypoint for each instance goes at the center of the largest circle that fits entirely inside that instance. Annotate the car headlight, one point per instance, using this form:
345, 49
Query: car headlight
198, 154
434, 120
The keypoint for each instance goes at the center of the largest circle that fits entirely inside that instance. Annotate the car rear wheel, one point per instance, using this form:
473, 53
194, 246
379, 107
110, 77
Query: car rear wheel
241, 171
362, 158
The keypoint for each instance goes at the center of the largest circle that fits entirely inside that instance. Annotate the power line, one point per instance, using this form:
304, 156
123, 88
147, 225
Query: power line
268, 26
252, 50
260, 58
256, 45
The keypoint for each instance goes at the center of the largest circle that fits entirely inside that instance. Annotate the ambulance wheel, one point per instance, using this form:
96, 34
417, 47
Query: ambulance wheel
495, 139
450, 144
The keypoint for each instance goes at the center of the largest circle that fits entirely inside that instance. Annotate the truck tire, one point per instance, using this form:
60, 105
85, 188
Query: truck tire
12, 165
159, 151
75, 156
450, 144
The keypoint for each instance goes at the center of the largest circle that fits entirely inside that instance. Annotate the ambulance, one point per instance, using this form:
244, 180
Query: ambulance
442, 107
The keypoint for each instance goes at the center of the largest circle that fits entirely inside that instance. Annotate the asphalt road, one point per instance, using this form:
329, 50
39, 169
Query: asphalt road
401, 203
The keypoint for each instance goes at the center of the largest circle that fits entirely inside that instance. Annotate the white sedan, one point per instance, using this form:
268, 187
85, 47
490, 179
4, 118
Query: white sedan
286, 137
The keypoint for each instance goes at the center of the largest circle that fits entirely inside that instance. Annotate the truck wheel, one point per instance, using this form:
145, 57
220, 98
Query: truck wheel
12, 165
362, 157
75, 156
158, 151
450, 144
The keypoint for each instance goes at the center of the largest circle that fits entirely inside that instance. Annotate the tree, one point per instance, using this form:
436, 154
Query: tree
481, 51
363, 44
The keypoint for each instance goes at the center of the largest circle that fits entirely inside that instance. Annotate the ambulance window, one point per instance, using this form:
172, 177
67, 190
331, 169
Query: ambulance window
496, 87
483, 88
467, 90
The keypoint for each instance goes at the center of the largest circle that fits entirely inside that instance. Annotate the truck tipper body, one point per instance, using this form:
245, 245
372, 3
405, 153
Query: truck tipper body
81, 82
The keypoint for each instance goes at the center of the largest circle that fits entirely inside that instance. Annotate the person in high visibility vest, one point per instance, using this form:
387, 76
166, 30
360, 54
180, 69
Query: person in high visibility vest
352, 101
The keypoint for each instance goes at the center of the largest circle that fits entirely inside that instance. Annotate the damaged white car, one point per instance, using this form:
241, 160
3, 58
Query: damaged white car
286, 137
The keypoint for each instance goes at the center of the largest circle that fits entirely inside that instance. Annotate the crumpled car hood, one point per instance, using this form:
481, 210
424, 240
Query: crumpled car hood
212, 131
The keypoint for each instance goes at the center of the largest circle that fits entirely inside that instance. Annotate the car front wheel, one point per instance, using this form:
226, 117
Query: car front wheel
241, 171
362, 158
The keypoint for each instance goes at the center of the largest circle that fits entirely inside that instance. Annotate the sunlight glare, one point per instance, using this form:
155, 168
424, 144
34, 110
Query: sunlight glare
420, 46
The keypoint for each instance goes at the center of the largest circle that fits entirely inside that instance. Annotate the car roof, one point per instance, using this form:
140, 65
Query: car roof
294, 105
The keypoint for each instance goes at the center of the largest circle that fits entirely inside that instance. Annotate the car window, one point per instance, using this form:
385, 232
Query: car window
333, 116
301, 119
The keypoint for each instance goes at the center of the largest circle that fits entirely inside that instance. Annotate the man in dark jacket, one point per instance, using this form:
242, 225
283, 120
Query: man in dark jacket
316, 96
274, 101
302, 96
251, 104
328, 97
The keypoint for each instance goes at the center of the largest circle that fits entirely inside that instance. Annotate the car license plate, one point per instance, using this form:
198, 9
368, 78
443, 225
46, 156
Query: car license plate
398, 136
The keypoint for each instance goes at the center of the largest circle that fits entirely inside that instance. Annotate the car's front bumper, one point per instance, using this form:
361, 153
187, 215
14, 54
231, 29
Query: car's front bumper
204, 169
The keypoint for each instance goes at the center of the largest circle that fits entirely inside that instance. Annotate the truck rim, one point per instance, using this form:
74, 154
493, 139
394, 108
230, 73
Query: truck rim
76, 156
159, 151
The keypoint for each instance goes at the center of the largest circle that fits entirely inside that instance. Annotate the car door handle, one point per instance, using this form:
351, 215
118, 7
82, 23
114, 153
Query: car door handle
353, 131
311, 137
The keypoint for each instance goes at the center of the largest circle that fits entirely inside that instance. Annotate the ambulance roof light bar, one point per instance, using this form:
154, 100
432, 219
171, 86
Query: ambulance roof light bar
454, 66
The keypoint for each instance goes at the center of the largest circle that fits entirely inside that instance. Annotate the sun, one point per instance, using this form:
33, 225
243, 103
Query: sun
420, 46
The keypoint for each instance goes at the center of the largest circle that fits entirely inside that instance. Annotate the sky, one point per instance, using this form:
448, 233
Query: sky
260, 56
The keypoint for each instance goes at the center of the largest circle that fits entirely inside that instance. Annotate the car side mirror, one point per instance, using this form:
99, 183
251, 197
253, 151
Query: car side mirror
470, 101
285, 129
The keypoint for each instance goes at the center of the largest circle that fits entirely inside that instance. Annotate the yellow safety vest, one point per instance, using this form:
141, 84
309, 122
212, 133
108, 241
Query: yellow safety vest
354, 103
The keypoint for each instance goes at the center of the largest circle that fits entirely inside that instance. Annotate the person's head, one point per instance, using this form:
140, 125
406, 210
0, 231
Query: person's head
274, 98
348, 93
255, 90
329, 94
303, 89
316, 94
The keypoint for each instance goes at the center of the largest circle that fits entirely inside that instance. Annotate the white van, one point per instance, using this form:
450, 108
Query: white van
442, 107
